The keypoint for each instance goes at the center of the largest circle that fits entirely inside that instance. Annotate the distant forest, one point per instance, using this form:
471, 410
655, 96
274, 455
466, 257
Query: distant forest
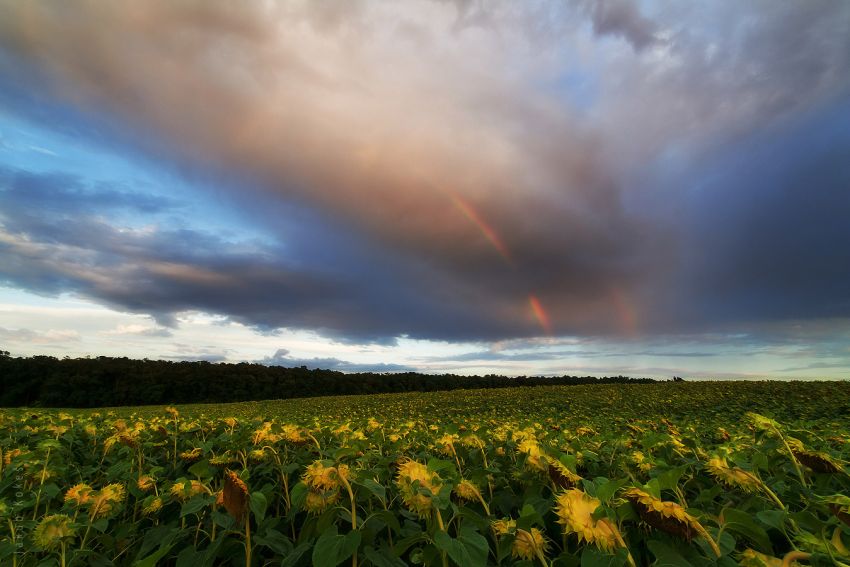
46, 381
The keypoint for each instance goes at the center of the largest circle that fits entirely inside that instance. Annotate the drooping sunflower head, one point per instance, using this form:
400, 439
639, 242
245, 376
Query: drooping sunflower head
293, 434
503, 526
146, 483
235, 495
318, 476
667, 516
529, 446
151, 505
52, 531
575, 510
107, 500
192, 455
732, 476
172, 411
561, 474
816, 460
319, 501
466, 490
78, 495
184, 489
528, 544
417, 486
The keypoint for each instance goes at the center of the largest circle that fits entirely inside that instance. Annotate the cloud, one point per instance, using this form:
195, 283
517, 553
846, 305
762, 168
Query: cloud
446, 176
53, 337
140, 330
281, 358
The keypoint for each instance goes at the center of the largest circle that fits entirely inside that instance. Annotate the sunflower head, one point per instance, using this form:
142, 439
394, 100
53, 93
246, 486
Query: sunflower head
817, 461
146, 483
320, 477
575, 510
318, 501
503, 526
561, 475
667, 516
732, 476
53, 530
151, 505
172, 411
192, 455
411, 479
107, 500
78, 495
529, 544
235, 495
466, 490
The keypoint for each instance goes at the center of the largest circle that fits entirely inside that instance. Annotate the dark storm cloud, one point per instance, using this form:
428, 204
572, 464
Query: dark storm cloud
54, 237
768, 237
450, 189
621, 18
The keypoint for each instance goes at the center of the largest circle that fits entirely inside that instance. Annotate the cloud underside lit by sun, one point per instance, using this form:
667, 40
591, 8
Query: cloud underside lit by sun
445, 171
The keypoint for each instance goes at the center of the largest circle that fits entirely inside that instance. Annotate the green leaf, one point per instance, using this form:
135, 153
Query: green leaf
374, 487
151, 560
275, 541
592, 557
193, 506
606, 489
291, 559
666, 556
259, 503
469, 549
740, 523
201, 469
331, 548
298, 495
383, 558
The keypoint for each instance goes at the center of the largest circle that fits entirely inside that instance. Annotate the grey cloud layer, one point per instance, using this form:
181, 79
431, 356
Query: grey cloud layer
384, 117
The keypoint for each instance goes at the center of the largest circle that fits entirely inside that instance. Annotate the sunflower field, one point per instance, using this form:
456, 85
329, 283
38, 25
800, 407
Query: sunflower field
666, 474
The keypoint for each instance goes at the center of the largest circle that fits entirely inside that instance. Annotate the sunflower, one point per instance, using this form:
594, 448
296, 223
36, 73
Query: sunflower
151, 505
146, 483
667, 516
529, 544
319, 477
466, 490
106, 500
78, 495
193, 455
561, 475
733, 476
411, 479
234, 495
293, 434
53, 530
316, 501
815, 460
184, 489
503, 526
575, 511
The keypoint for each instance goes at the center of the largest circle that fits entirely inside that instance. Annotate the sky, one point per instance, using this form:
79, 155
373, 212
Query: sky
649, 188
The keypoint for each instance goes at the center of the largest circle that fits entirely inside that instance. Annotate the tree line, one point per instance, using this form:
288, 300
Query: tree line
46, 381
